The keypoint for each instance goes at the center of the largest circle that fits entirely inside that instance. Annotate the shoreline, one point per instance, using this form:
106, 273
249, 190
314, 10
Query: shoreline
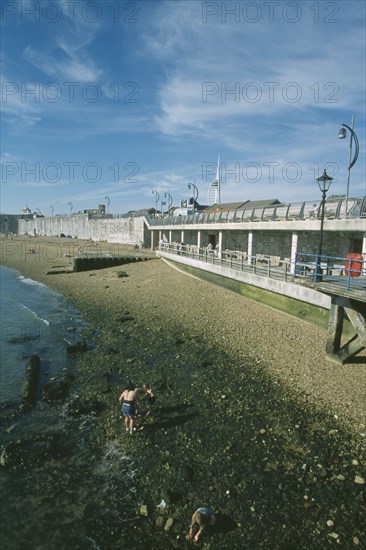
235, 419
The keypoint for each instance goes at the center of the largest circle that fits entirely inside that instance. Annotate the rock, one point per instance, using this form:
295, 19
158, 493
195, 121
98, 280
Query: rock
123, 318
23, 339
169, 523
78, 347
31, 380
121, 274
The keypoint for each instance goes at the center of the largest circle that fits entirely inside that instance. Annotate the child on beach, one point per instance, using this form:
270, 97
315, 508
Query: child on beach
128, 400
150, 397
204, 517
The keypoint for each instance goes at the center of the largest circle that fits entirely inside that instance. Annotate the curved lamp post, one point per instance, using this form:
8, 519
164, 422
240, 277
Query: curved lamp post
52, 209
195, 195
71, 207
106, 198
324, 183
157, 196
168, 195
342, 134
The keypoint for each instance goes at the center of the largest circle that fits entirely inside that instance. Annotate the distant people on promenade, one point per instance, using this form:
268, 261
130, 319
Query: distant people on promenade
128, 400
315, 212
204, 517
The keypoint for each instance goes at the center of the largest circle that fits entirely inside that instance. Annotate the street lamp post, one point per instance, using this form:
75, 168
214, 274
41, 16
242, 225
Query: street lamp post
71, 207
351, 162
52, 209
324, 183
108, 200
155, 192
168, 195
195, 196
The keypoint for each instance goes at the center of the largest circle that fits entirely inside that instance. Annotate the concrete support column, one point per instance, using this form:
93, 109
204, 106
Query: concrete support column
293, 253
182, 237
364, 255
152, 239
250, 247
170, 236
199, 239
220, 244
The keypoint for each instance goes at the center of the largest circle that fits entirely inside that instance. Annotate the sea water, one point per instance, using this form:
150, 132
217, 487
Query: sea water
56, 499
34, 320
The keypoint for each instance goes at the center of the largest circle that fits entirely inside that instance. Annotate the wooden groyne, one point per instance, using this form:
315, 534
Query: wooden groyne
88, 263
31, 379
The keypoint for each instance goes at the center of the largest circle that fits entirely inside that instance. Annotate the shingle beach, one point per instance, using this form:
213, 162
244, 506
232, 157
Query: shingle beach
251, 419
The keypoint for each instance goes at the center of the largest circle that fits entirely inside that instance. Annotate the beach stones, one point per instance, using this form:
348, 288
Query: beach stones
55, 391
79, 406
32, 450
77, 347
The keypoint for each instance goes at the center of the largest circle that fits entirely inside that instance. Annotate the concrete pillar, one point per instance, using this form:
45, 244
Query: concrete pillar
152, 239
199, 239
182, 237
293, 253
170, 236
364, 255
220, 244
250, 247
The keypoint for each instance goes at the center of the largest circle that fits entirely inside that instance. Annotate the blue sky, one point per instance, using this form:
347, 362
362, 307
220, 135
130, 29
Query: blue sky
118, 98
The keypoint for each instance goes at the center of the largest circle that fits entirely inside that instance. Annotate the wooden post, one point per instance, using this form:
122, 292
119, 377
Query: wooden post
355, 311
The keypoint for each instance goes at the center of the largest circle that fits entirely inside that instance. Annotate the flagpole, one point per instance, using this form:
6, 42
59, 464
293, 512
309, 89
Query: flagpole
218, 179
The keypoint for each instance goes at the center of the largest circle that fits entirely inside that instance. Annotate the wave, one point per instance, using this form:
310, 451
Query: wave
35, 314
31, 281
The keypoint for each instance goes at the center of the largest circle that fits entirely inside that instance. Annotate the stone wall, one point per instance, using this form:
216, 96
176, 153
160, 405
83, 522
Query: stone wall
120, 230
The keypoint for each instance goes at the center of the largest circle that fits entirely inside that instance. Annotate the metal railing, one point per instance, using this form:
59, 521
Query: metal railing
345, 274
341, 208
348, 273
234, 259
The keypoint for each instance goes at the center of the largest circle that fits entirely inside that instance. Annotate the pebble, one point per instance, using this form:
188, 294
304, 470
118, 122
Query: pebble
169, 523
360, 480
330, 523
159, 522
10, 429
143, 510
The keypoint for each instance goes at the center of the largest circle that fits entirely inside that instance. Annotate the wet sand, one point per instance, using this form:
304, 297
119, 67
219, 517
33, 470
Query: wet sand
251, 419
